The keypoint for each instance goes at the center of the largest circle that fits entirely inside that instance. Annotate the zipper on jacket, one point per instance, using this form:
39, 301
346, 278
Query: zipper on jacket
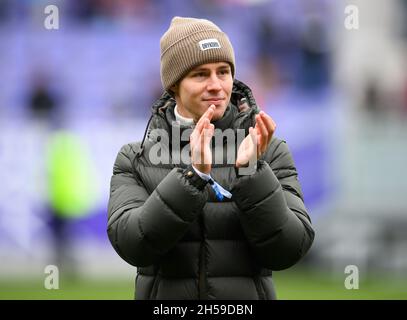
202, 269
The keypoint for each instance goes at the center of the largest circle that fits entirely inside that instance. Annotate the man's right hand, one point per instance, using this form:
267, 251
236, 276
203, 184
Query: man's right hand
201, 153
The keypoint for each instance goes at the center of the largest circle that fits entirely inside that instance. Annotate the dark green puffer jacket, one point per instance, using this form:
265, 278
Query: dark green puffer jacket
166, 220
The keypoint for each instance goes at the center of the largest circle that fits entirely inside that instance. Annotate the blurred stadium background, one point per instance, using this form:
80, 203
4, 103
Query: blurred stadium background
70, 98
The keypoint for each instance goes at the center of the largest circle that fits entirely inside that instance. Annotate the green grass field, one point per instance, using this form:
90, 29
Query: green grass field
309, 286
296, 284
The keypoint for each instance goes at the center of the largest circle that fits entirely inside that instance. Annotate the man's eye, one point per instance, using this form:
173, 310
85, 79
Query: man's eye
199, 74
224, 72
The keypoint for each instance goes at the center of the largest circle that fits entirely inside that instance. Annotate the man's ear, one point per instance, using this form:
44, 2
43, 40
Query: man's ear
175, 89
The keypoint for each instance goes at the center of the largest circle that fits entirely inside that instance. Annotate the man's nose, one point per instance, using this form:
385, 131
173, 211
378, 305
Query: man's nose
214, 83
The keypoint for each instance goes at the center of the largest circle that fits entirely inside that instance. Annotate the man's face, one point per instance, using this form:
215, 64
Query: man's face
203, 86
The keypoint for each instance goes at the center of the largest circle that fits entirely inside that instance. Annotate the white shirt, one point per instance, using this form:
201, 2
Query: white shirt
181, 119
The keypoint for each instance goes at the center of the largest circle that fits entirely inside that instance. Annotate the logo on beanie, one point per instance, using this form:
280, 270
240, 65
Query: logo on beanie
209, 44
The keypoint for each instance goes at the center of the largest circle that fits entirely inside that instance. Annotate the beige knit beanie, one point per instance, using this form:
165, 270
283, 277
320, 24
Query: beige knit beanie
190, 42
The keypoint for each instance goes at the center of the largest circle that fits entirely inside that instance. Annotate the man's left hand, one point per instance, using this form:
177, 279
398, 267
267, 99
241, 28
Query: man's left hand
258, 140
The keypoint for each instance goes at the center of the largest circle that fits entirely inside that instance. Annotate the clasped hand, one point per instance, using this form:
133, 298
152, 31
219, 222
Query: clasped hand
252, 146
